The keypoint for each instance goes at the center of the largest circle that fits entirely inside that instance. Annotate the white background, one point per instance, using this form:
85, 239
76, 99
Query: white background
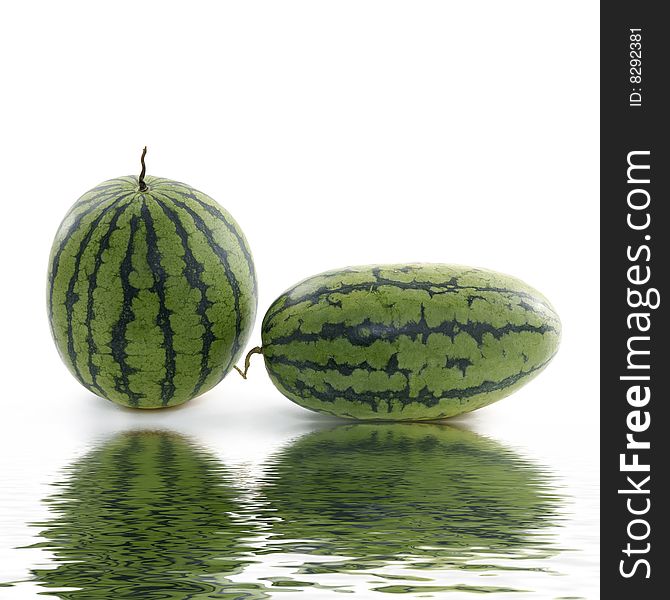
336, 133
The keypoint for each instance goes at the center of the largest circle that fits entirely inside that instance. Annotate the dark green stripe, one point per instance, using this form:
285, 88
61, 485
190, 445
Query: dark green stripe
222, 255
163, 317
92, 195
55, 263
71, 297
92, 284
216, 213
118, 342
368, 332
373, 398
193, 271
348, 369
432, 288
333, 366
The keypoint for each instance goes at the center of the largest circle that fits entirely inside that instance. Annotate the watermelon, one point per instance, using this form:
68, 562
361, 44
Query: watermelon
422, 494
407, 342
151, 291
145, 514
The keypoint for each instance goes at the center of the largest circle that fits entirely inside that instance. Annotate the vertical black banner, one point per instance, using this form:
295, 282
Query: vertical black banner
635, 170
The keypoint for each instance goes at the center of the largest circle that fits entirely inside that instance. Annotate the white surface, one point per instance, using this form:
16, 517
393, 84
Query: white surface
336, 133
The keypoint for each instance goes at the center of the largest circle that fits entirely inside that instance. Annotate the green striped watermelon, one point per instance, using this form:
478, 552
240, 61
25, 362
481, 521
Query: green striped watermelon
151, 294
407, 342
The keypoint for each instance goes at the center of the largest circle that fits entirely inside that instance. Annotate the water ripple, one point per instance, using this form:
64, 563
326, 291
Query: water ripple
417, 509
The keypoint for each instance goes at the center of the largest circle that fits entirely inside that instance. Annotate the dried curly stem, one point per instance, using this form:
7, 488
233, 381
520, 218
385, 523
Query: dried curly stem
247, 361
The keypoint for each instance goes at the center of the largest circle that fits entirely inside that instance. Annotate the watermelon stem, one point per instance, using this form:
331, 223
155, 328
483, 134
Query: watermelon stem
247, 361
143, 185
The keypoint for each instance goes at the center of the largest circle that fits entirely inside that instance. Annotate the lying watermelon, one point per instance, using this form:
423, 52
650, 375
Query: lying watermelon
407, 342
151, 291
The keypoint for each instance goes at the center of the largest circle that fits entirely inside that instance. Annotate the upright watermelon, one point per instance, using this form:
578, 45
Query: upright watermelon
407, 342
151, 291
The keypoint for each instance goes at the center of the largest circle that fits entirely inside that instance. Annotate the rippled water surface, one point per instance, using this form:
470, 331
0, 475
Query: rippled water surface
414, 509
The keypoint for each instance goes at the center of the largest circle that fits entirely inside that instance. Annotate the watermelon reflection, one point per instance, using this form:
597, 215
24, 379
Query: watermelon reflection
145, 515
411, 508
427, 495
